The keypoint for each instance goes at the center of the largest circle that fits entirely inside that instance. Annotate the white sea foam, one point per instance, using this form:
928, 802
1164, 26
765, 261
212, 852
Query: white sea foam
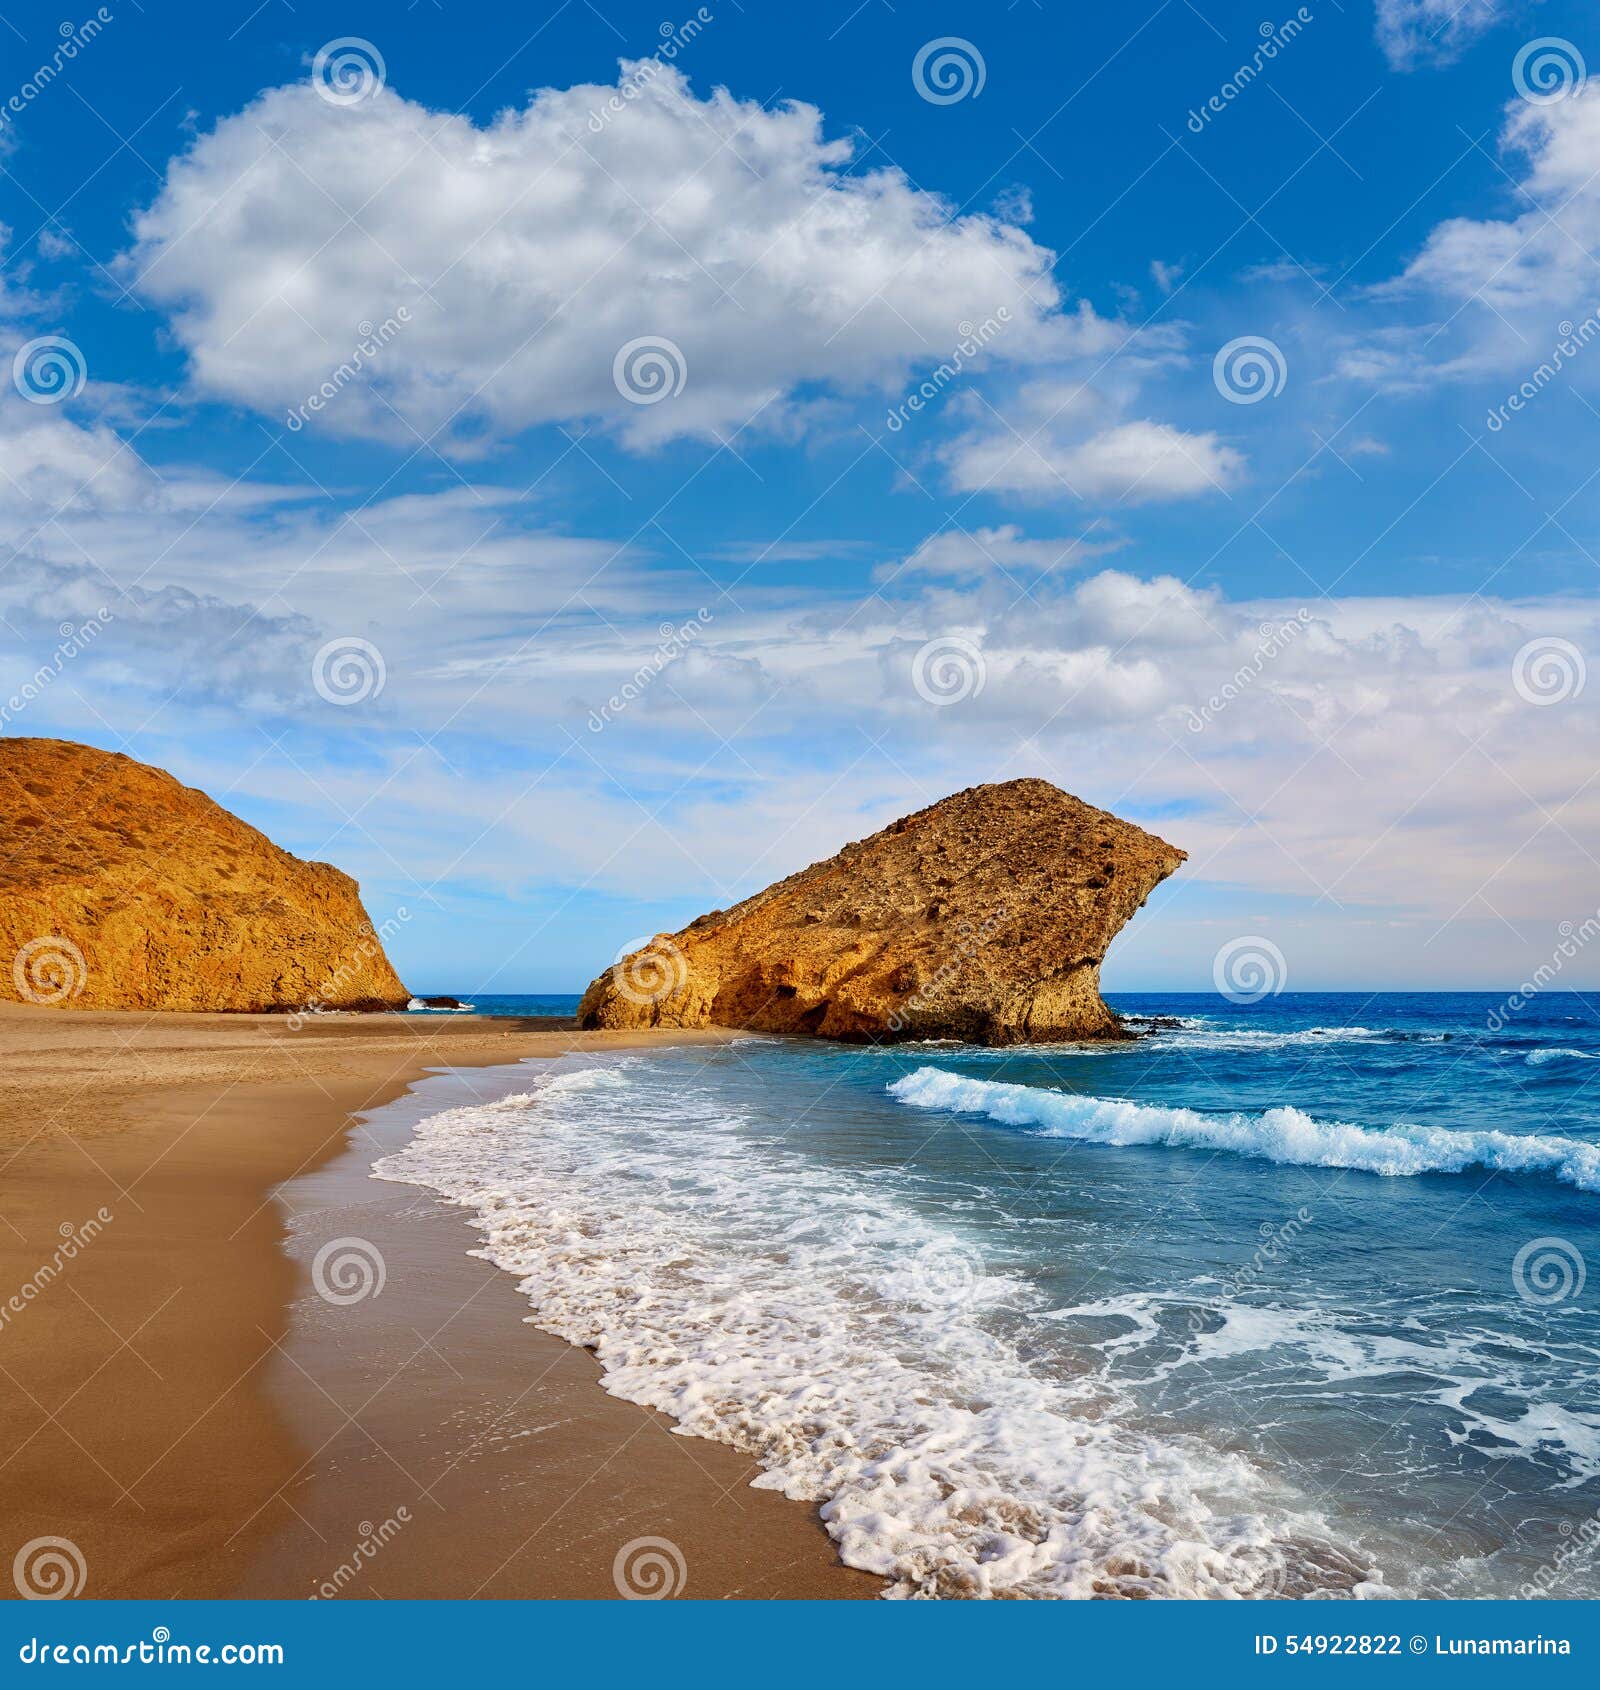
1284, 1135
1202, 1036
1538, 1057
865, 1355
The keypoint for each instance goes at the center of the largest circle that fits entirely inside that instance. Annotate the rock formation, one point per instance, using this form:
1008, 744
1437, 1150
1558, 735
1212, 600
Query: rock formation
122, 889
984, 918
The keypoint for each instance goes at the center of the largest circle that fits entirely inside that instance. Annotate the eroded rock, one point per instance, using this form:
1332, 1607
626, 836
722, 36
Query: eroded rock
984, 918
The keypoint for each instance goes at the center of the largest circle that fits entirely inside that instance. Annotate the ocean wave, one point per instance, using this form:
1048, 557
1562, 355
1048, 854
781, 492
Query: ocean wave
1205, 1036
872, 1359
1539, 1057
1284, 1135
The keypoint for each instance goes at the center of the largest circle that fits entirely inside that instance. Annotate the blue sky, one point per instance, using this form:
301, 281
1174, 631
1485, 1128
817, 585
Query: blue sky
346, 387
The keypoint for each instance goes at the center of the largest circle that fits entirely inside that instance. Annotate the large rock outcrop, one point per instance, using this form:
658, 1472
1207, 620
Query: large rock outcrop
120, 888
984, 917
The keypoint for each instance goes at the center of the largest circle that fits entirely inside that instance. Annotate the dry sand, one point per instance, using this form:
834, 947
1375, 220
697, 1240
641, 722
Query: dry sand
163, 1411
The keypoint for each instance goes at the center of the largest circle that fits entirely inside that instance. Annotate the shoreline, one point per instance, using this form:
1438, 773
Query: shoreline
146, 1375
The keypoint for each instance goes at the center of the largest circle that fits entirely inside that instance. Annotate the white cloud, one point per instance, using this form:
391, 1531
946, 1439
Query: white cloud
957, 554
1129, 463
1419, 32
1545, 255
527, 253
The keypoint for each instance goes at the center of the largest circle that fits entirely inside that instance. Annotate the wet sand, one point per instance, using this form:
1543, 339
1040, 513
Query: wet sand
180, 1404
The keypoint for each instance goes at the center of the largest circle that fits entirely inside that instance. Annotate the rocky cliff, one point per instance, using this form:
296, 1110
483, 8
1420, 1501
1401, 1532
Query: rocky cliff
984, 917
122, 889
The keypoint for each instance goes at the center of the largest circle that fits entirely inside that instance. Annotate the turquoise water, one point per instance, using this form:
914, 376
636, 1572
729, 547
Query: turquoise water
1282, 1299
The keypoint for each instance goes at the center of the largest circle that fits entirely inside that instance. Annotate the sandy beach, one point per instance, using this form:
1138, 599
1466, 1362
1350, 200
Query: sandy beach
169, 1415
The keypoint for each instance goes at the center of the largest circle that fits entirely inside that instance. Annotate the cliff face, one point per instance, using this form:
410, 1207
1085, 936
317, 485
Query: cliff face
122, 889
984, 918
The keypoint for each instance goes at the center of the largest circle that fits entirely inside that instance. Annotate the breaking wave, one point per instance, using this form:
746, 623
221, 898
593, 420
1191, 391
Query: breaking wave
1285, 1135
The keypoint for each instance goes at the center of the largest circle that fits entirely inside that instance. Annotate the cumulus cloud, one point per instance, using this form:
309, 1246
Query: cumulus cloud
1544, 256
529, 252
1130, 463
1422, 32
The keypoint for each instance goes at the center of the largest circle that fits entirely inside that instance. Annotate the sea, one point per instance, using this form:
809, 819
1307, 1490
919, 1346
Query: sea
1286, 1299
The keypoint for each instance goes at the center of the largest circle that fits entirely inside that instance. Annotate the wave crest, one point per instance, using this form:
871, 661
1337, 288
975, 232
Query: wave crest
1285, 1135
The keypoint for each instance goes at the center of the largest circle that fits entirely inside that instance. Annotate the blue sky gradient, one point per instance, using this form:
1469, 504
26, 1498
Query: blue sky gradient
1107, 541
